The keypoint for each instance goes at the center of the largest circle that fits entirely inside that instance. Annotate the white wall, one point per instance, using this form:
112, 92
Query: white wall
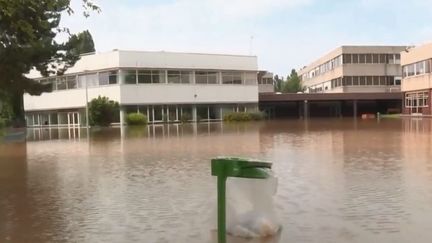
69, 98
188, 94
145, 94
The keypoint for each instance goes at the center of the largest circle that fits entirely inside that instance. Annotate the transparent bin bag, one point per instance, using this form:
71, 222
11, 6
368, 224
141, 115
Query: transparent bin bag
250, 211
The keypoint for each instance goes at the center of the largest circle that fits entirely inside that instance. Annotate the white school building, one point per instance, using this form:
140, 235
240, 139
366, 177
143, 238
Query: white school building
165, 86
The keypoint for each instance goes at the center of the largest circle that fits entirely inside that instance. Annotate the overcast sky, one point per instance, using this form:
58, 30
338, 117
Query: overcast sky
286, 33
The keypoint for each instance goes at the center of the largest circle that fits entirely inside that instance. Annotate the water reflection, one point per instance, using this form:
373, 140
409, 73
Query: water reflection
339, 181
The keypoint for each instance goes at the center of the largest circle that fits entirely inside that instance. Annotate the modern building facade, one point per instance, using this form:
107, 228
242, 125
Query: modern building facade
417, 80
265, 82
165, 86
354, 69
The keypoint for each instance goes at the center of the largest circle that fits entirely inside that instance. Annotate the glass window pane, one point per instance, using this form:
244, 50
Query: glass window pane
369, 58
202, 112
103, 78
61, 83
201, 77
390, 58
347, 58
174, 77
113, 77
144, 76
355, 58
362, 58
227, 78
185, 77
130, 77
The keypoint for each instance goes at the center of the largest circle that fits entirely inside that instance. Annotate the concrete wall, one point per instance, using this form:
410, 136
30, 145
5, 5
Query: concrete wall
188, 94
417, 82
67, 99
416, 54
265, 88
145, 94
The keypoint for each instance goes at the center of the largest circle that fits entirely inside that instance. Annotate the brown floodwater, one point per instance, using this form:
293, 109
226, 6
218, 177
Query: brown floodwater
340, 181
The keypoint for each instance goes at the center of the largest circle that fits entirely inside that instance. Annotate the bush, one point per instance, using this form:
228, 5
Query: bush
243, 116
257, 116
185, 117
134, 119
102, 111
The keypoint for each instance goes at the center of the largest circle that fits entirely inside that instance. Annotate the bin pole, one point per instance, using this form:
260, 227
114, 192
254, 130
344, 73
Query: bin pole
221, 180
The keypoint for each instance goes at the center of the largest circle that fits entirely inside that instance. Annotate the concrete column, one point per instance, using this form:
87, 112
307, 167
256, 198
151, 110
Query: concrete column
166, 76
121, 77
305, 109
192, 80
122, 116
194, 113
355, 108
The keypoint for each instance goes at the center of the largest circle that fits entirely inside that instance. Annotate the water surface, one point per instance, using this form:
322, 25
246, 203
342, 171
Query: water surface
339, 181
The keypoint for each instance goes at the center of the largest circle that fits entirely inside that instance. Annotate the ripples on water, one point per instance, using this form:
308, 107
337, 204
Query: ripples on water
339, 181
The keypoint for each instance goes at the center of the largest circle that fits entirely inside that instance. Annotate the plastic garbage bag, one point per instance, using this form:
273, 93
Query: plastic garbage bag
250, 211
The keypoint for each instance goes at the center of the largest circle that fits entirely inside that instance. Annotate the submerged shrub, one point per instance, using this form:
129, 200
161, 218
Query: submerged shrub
136, 119
243, 116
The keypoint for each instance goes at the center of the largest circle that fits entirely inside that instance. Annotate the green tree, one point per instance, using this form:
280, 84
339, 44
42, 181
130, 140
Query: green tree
278, 83
83, 43
28, 31
102, 111
293, 83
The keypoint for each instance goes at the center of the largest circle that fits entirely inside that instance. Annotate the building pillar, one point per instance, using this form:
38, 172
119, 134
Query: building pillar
193, 79
122, 115
305, 109
194, 113
120, 77
355, 108
166, 76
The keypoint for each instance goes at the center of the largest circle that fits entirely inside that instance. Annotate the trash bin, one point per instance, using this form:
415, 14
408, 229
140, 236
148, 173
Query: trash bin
225, 167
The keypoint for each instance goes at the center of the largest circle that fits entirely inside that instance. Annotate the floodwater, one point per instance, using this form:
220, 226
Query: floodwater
339, 181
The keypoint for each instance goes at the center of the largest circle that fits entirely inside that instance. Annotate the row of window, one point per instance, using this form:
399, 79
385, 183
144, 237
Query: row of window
417, 99
368, 80
265, 81
371, 58
356, 81
417, 68
149, 77
352, 59
175, 113
323, 68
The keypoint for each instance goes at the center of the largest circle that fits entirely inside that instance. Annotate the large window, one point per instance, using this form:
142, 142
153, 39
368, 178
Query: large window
61, 83
130, 76
417, 68
106, 78
231, 78
91, 79
151, 76
417, 99
179, 77
71, 82
202, 77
